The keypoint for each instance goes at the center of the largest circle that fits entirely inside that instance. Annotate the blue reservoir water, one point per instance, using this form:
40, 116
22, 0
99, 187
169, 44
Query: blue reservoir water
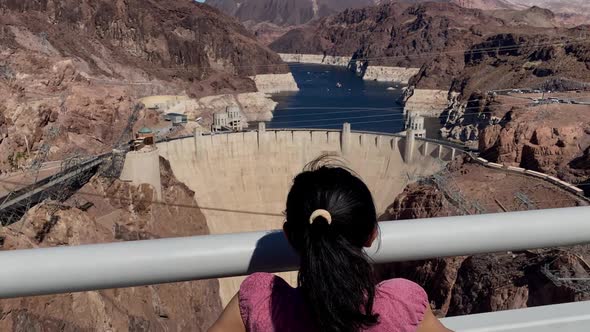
330, 96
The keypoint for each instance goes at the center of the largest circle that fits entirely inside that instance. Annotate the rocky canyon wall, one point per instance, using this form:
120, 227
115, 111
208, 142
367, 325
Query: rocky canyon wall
491, 282
255, 106
551, 138
554, 143
78, 67
108, 211
371, 73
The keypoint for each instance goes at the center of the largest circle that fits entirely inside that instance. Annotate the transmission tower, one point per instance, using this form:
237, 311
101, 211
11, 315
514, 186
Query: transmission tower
75, 170
444, 181
32, 172
127, 133
57, 192
113, 169
568, 277
522, 199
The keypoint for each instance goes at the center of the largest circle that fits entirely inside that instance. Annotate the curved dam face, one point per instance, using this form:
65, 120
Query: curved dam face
241, 180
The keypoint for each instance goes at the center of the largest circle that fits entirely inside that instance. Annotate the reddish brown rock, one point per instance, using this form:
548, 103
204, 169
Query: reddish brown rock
126, 213
81, 66
492, 282
549, 139
428, 35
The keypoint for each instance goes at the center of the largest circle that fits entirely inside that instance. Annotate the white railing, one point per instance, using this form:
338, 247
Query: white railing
568, 317
124, 264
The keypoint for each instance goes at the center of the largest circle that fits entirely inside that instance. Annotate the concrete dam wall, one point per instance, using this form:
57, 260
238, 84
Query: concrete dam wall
241, 180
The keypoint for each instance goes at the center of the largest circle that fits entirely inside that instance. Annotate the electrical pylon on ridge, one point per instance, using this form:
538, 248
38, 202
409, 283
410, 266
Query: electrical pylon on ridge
521, 199
444, 181
112, 169
31, 172
569, 276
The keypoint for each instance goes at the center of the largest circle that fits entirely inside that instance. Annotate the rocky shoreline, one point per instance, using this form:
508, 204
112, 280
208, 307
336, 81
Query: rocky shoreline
275, 83
400, 75
319, 59
255, 106
390, 74
426, 102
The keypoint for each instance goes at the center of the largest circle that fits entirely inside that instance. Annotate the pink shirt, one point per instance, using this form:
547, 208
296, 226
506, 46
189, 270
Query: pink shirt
268, 303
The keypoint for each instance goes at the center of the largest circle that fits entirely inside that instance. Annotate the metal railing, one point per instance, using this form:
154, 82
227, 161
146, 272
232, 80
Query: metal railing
125, 264
568, 317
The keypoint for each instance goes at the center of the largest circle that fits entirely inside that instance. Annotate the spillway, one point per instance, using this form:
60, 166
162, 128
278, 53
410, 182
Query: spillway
241, 180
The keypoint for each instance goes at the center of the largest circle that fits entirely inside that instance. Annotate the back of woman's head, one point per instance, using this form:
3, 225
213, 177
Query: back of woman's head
335, 275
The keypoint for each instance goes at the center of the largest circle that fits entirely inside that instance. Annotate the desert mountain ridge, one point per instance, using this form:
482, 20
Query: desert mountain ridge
81, 66
270, 19
297, 12
452, 45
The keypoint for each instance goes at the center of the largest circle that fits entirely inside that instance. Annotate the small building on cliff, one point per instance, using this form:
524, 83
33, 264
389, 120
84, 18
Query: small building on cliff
177, 119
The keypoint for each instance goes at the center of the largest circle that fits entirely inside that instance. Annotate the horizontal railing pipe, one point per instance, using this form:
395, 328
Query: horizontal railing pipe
125, 264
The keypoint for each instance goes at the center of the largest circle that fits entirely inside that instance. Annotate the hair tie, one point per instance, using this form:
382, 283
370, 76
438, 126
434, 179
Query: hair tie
320, 212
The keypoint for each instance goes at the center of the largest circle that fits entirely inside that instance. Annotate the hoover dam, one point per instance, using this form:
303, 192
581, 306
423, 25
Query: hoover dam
241, 180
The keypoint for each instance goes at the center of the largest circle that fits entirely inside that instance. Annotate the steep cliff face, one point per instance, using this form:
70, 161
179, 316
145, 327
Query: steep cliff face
465, 121
79, 67
391, 34
295, 12
516, 60
127, 213
166, 39
284, 12
555, 62
483, 283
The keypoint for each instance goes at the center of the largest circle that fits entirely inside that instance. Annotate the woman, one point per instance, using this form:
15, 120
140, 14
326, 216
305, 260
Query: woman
330, 218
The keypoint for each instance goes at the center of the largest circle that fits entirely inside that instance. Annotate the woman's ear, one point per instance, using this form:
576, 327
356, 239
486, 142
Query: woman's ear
372, 238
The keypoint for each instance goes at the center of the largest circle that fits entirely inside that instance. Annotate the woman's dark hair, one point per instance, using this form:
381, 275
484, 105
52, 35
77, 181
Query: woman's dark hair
335, 275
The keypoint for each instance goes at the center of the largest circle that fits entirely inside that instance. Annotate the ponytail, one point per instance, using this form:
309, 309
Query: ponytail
337, 282
335, 276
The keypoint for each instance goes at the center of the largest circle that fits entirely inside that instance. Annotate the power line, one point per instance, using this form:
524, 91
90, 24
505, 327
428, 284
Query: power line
356, 110
431, 54
407, 56
346, 119
125, 198
339, 124
506, 190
